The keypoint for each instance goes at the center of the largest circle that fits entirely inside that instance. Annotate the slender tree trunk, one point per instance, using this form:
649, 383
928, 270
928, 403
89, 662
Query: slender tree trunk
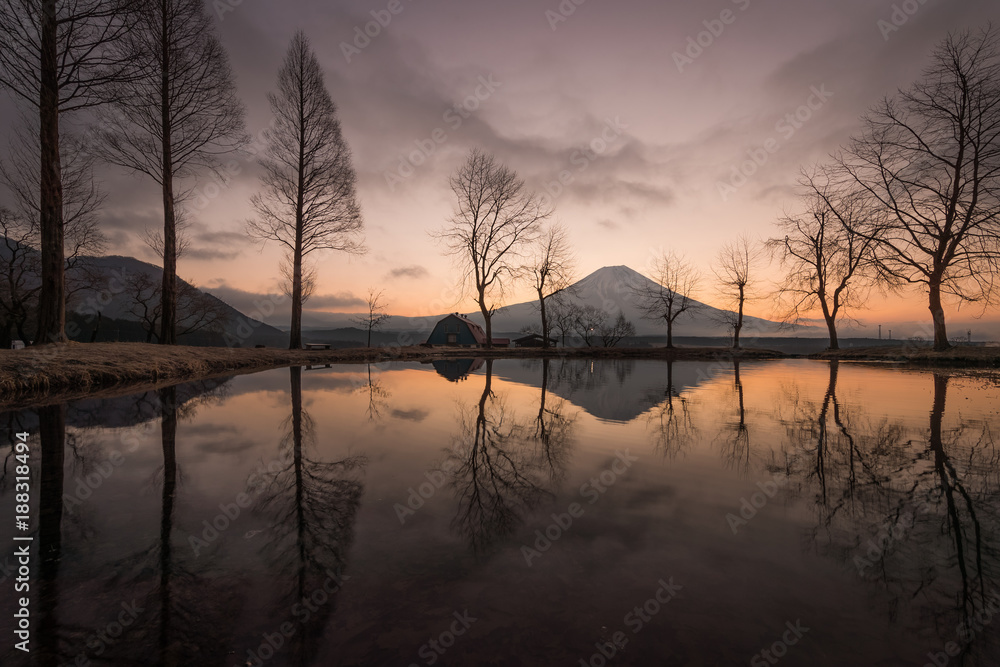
52, 297
168, 291
52, 433
937, 313
739, 321
295, 342
168, 438
670, 333
830, 317
545, 321
489, 321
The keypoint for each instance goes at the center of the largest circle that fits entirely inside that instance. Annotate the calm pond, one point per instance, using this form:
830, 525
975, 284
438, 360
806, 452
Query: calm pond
516, 513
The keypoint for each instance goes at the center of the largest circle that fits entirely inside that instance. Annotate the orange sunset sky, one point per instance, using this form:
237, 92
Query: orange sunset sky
669, 129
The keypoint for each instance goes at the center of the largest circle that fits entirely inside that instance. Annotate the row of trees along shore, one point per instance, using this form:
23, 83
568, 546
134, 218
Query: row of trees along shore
912, 201
152, 84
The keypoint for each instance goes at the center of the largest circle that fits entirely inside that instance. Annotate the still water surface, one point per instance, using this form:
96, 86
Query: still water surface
517, 513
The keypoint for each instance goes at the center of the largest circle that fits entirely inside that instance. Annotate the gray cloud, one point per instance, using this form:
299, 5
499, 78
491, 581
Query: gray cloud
414, 272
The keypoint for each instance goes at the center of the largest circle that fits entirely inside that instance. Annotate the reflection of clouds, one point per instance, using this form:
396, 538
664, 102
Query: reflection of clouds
415, 415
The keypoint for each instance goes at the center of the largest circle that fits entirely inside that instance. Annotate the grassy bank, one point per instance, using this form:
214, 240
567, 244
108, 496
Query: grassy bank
58, 373
959, 356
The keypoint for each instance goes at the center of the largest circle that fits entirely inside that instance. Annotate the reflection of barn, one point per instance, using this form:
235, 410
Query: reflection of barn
458, 330
456, 369
533, 340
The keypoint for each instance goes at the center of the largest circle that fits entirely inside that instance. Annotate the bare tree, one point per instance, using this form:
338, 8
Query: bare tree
827, 266
735, 273
376, 317
178, 116
56, 58
562, 313
588, 323
619, 329
196, 310
309, 203
20, 260
551, 270
930, 156
669, 294
495, 222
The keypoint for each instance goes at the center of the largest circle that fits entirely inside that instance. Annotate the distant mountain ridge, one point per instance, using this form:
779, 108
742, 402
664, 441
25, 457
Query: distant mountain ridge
611, 289
109, 295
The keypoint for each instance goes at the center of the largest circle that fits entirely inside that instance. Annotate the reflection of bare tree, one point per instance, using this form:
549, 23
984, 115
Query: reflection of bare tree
378, 397
311, 505
671, 420
736, 452
919, 518
553, 429
495, 470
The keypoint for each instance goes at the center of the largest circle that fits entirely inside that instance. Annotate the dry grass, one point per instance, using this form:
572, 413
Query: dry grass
57, 373
961, 355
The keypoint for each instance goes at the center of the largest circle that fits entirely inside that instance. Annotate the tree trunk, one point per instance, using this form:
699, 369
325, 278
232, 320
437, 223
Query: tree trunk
168, 291
52, 433
739, 321
937, 313
52, 297
545, 321
168, 439
489, 322
369, 339
670, 333
295, 341
295, 335
831, 325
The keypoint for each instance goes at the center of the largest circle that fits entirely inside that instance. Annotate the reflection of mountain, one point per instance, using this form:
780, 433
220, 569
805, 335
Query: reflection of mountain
121, 411
617, 390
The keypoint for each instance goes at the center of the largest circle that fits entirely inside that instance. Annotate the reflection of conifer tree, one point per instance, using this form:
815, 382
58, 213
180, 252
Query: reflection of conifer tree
52, 433
312, 506
496, 472
671, 421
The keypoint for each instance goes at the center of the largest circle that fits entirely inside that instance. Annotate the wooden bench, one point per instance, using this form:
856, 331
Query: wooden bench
317, 346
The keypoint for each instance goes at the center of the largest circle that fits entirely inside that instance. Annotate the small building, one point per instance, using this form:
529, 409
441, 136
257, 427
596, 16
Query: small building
457, 330
533, 340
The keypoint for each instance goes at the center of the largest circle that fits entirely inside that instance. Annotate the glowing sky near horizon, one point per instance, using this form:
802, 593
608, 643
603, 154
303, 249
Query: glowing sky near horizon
669, 130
